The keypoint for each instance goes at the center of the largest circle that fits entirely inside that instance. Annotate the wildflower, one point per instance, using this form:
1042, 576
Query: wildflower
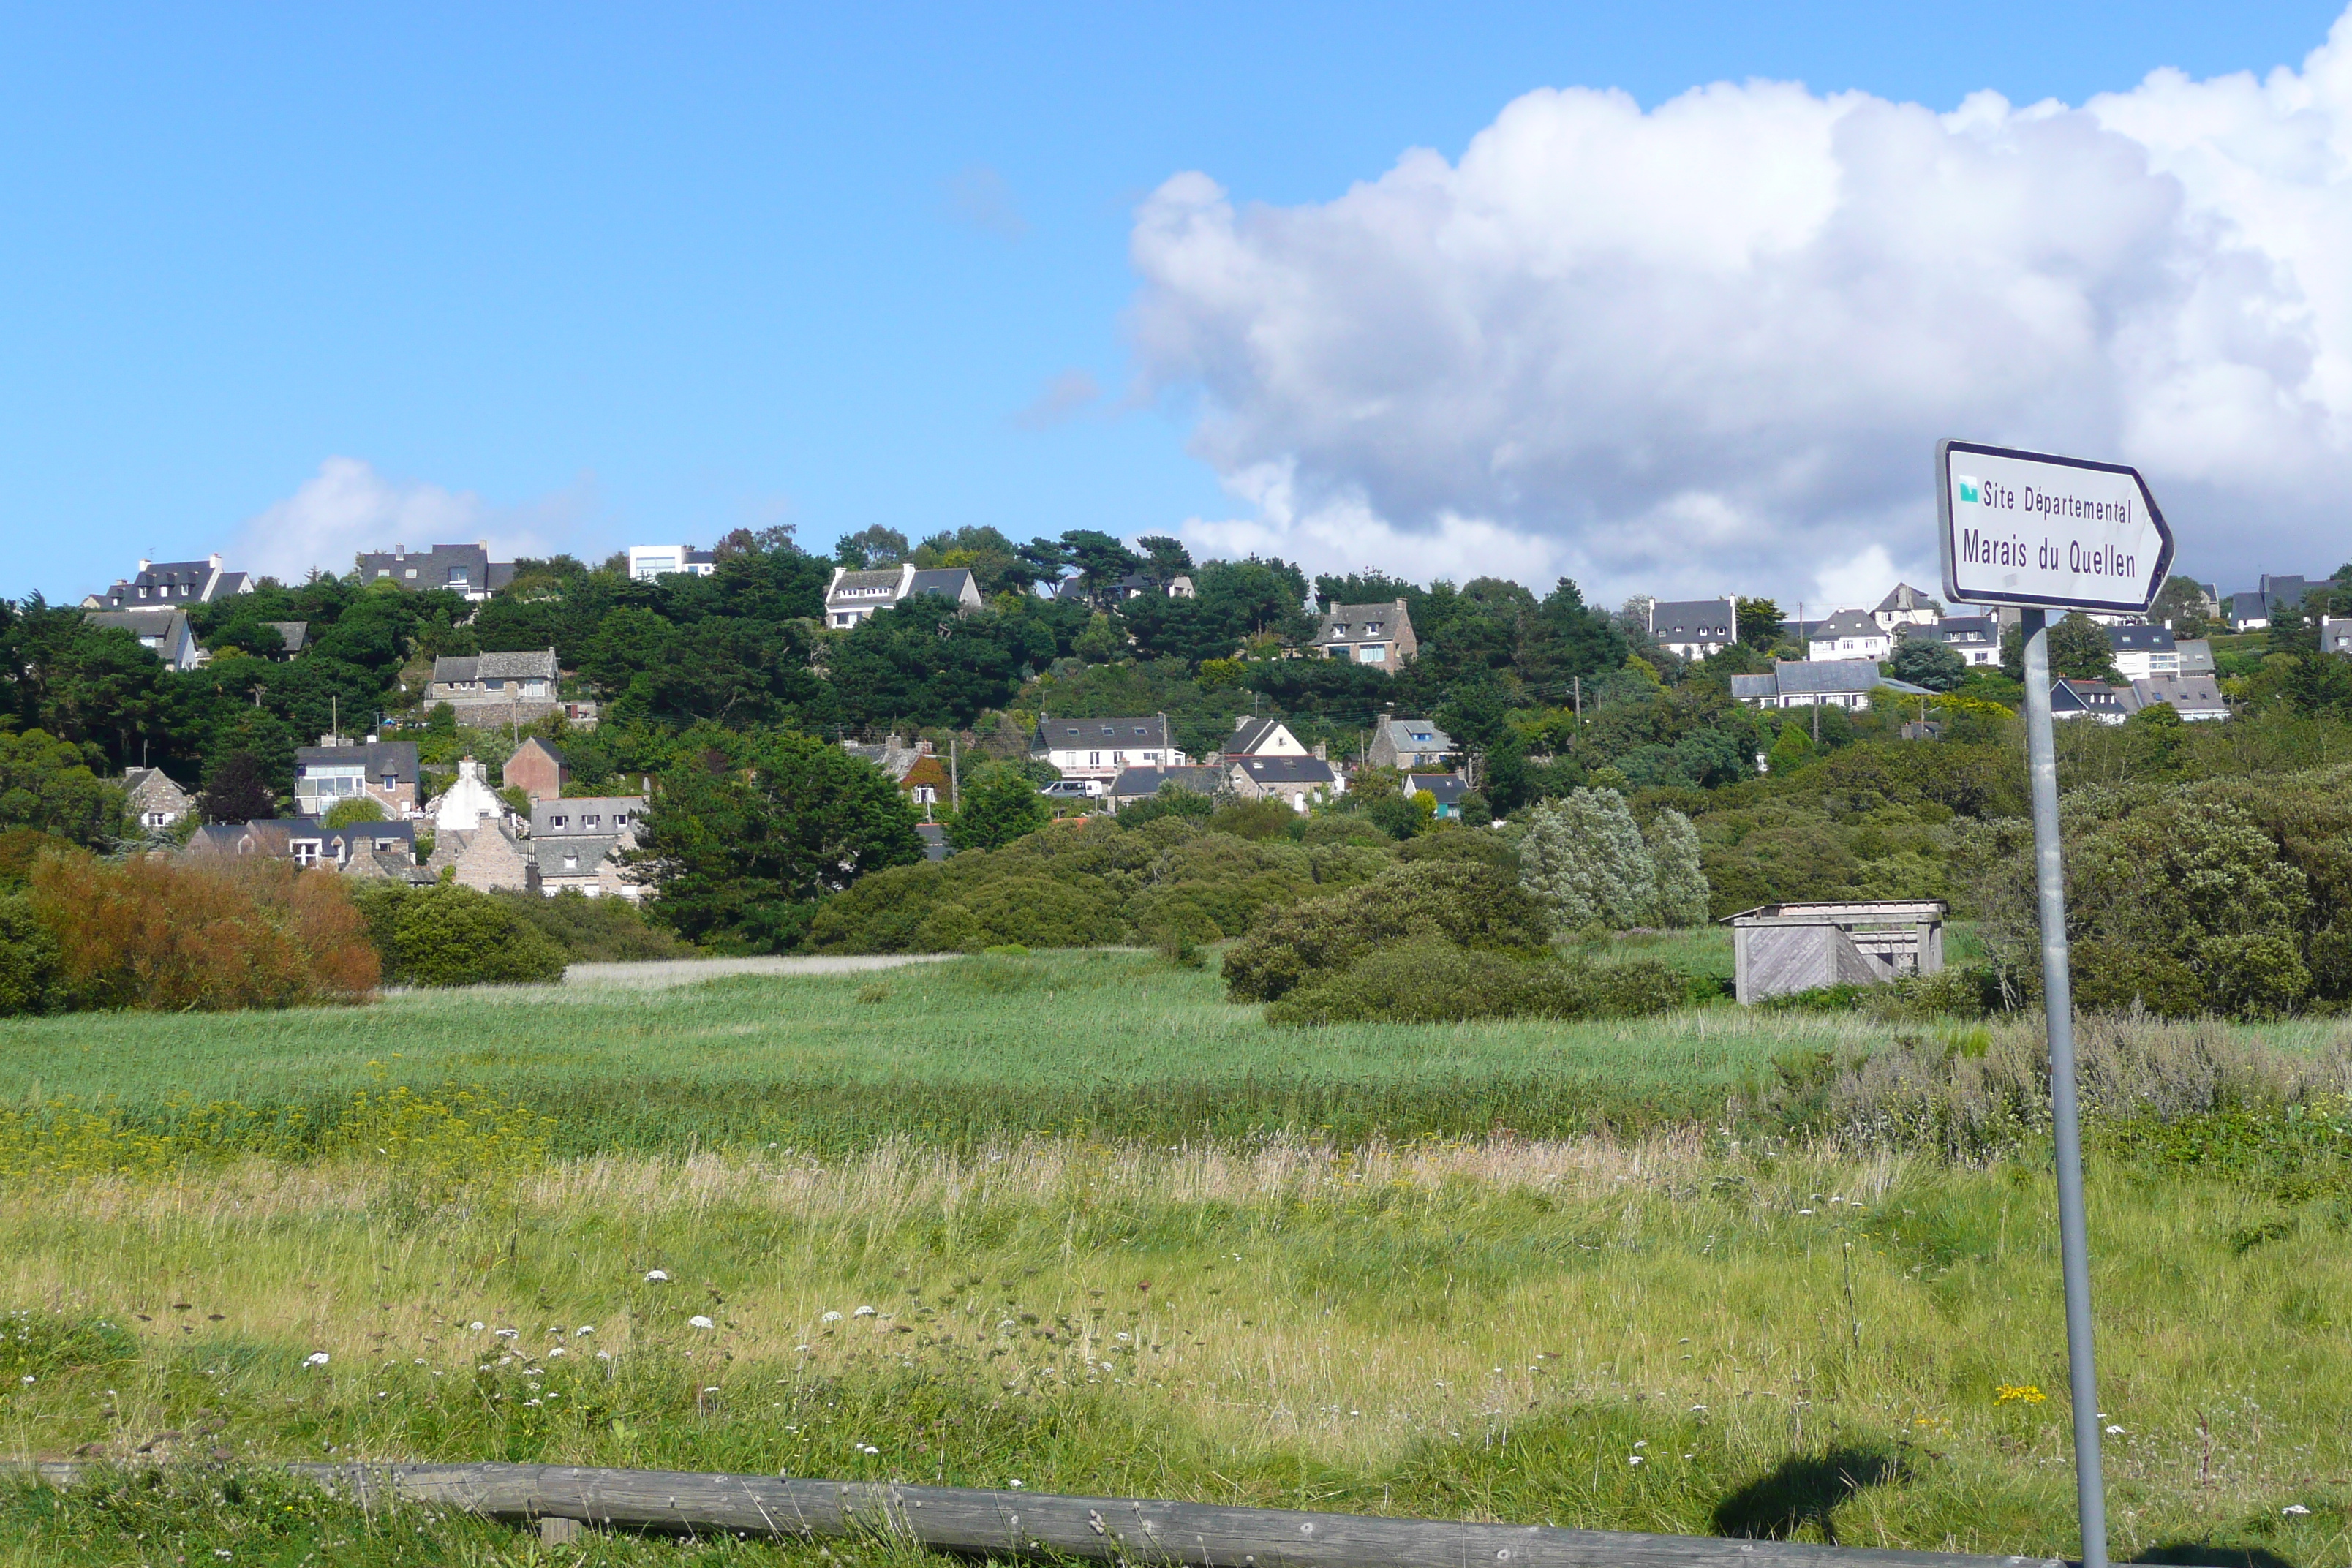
714, 1388
476, 1326
557, 1351
2018, 1393
803, 1349
1804, 1211
1634, 1460
698, 1321
830, 1318
1016, 1485
2114, 1431
29, 1378
584, 1329
316, 1358
657, 1275
862, 1312
867, 1448
507, 1333
2295, 1508
603, 1355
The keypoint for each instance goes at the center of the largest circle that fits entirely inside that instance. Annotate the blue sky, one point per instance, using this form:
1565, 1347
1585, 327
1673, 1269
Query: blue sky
650, 275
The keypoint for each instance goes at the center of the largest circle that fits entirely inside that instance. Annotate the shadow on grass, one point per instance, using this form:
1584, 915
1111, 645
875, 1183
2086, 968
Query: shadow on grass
1798, 1492
2205, 1554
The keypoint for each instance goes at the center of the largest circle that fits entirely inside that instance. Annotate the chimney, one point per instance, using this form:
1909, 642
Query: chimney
216, 560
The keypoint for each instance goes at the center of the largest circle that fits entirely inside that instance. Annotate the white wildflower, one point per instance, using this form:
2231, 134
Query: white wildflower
862, 1312
658, 1276
699, 1321
830, 1318
316, 1358
2295, 1508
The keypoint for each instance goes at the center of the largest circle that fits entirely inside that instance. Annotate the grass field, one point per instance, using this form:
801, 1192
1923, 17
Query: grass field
1117, 1045
1673, 1323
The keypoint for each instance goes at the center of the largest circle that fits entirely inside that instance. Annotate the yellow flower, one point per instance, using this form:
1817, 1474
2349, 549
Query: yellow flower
2018, 1393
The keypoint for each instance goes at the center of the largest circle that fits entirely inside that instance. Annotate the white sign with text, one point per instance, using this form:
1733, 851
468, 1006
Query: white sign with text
2025, 528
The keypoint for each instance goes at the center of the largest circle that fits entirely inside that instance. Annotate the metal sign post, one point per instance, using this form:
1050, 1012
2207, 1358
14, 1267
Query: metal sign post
2043, 532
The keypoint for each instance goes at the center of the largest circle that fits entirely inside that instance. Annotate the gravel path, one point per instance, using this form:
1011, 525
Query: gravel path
659, 971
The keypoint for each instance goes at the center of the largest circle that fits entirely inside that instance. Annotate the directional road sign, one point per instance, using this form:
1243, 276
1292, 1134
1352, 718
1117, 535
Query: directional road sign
2025, 528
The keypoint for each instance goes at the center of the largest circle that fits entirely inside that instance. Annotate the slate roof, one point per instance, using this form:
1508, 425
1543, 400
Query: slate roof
935, 841
576, 811
2140, 640
2287, 591
1096, 734
1348, 622
1449, 788
2187, 693
2196, 656
851, 582
295, 633
1956, 631
1284, 770
2244, 607
947, 581
396, 759
1416, 735
1904, 600
1820, 677
1847, 624
461, 668
1249, 734
2086, 697
586, 852
1694, 620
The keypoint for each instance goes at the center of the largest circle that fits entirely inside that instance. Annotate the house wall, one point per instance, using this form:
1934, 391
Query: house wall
535, 771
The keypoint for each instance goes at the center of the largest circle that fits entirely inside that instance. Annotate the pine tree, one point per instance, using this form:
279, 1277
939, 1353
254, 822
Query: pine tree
1584, 858
1682, 885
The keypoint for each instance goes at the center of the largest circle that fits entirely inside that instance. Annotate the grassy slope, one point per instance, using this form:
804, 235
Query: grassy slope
1124, 1045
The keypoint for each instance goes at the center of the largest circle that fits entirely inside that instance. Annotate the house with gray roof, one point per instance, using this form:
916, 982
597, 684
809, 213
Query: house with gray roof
154, 799
2092, 700
463, 569
2196, 697
1695, 628
1300, 781
1101, 748
1409, 744
164, 633
1824, 682
2248, 613
2196, 654
1445, 789
1378, 635
337, 770
853, 596
1906, 606
2139, 651
295, 635
1850, 634
1255, 737
159, 585
1133, 784
494, 688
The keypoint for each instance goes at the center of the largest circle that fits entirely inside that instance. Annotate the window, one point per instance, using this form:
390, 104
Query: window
1371, 628
1094, 759
559, 822
1374, 654
411, 572
494, 685
590, 821
305, 851
384, 570
457, 573
620, 819
572, 862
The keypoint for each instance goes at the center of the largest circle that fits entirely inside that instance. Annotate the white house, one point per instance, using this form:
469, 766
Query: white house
1823, 682
1906, 606
2142, 651
647, 561
1850, 634
1264, 738
1695, 628
468, 804
1100, 749
2196, 697
853, 596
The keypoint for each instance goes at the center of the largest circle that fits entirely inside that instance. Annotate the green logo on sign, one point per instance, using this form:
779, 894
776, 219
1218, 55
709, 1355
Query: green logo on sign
1969, 491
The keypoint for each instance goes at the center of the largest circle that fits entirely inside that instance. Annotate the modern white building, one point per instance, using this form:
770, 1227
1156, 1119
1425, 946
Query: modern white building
647, 561
2143, 651
1976, 638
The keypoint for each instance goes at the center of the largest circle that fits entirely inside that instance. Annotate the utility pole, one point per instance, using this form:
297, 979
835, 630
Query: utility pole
955, 779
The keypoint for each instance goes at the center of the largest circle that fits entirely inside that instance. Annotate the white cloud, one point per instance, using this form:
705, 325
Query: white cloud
348, 507
1710, 346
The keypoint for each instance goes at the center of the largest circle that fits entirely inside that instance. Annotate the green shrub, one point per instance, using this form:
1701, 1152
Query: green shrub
28, 962
1464, 902
1429, 980
449, 935
1256, 819
357, 809
1173, 800
595, 930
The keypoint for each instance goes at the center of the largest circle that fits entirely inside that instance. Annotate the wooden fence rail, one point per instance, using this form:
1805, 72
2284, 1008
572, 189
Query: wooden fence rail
1022, 1524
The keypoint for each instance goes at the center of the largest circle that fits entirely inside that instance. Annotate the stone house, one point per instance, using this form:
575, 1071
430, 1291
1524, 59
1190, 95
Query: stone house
155, 801
1299, 781
336, 770
1368, 634
1409, 744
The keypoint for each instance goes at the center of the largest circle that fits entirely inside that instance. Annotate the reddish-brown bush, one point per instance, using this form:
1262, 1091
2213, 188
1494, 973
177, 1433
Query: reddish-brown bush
150, 932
